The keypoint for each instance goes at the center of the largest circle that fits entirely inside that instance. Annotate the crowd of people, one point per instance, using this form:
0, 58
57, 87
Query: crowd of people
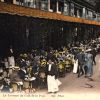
41, 69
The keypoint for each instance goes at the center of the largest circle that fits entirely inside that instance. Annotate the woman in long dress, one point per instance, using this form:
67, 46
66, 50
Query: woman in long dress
89, 63
75, 68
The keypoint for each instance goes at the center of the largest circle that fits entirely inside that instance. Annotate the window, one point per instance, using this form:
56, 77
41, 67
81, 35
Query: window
60, 6
53, 5
44, 4
72, 9
34, 3
66, 8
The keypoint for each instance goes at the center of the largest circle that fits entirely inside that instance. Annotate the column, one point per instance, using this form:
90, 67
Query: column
78, 15
84, 13
96, 17
72, 9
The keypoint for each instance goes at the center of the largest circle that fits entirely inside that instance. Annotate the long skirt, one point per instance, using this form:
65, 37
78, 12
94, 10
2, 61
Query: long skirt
52, 84
75, 68
90, 68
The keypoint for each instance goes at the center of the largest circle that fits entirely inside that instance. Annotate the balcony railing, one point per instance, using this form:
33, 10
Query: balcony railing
44, 5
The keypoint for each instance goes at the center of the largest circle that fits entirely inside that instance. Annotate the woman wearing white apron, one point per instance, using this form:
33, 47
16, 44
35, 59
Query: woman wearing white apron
11, 59
75, 68
6, 63
51, 78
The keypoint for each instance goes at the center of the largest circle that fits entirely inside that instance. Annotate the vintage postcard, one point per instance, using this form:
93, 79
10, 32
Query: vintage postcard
49, 49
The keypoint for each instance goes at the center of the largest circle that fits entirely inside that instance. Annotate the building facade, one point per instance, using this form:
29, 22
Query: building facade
40, 24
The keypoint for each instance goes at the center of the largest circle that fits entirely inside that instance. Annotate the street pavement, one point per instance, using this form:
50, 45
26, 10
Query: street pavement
72, 88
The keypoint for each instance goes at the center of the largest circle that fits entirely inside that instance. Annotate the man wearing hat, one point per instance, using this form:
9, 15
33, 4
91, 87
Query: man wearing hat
81, 59
94, 55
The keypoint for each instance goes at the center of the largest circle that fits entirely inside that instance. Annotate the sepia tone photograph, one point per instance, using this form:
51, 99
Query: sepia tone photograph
49, 49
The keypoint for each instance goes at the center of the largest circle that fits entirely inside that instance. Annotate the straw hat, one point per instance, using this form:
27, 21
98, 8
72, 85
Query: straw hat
11, 67
16, 68
88, 50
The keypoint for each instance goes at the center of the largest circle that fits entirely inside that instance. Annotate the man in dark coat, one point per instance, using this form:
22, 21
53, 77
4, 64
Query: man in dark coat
22, 73
81, 59
93, 52
34, 73
51, 77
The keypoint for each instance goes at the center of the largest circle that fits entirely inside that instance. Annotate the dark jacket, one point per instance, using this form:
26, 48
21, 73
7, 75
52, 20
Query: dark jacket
22, 74
53, 70
81, 58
